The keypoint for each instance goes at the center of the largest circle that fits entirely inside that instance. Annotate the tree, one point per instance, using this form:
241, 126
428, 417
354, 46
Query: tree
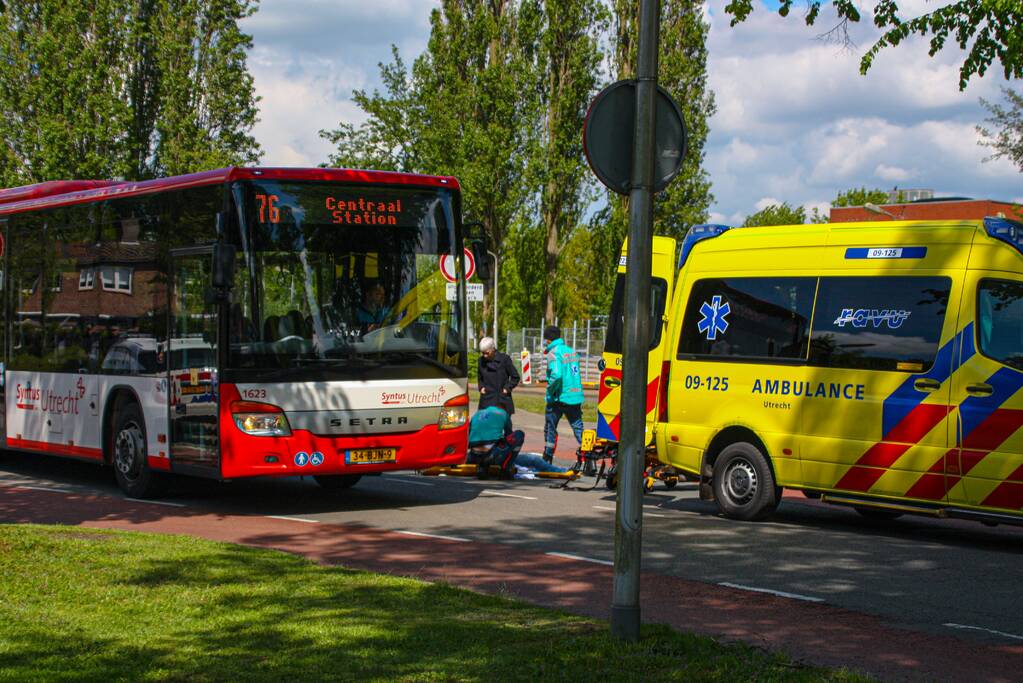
1007, 138
859, 197
123, 88
569, 59
387, 140
987, 30
207, 101
682, 71
477, 86
777, 214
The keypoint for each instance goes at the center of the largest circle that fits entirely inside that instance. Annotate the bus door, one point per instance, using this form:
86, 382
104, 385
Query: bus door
987, 464
609, 392
191, 360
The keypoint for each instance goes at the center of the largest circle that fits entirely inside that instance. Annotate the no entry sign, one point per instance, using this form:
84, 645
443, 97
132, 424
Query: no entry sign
447, 266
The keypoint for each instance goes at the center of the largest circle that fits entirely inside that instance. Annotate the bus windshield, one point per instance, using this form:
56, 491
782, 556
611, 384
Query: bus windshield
337, 281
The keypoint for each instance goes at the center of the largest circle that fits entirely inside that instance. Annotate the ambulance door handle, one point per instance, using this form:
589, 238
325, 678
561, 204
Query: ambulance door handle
926, 384
979, 389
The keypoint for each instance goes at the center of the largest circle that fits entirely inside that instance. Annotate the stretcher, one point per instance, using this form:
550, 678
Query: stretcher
493, 471
599, 458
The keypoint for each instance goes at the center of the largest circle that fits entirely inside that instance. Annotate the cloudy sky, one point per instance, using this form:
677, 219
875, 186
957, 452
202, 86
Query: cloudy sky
795, 121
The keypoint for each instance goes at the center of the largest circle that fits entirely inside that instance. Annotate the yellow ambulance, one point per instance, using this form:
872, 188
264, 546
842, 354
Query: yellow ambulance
874, 365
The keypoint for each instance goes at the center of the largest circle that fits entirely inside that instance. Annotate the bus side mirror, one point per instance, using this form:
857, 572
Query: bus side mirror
223, 265
479, 252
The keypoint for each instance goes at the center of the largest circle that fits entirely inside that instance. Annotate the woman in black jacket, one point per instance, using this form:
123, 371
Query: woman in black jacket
497, 377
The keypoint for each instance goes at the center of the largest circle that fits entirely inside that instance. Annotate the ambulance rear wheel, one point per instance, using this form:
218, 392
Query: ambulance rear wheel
337, 482
744, 484
130, 457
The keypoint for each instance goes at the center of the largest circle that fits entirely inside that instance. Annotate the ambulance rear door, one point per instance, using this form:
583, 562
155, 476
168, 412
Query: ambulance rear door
609, 392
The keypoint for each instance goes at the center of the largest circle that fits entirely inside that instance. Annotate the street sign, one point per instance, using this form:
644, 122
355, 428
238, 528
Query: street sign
609, 128
473, 291
447, 266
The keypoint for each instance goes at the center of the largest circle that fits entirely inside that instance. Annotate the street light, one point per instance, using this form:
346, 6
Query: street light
495, 294
874, 208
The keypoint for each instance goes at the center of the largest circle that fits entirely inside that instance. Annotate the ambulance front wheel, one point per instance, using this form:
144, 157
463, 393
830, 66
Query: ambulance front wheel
744, 484
337, 482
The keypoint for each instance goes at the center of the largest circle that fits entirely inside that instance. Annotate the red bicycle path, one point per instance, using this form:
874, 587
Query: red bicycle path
813, 633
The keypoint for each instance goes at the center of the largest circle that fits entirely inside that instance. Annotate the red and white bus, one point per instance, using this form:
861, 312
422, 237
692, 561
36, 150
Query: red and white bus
235, 323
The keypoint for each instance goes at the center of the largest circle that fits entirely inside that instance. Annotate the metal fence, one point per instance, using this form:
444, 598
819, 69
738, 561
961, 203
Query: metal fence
585, 336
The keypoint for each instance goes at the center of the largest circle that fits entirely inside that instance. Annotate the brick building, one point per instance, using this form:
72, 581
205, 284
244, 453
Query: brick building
930, 209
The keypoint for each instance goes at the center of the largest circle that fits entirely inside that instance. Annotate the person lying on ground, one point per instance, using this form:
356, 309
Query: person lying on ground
493, 442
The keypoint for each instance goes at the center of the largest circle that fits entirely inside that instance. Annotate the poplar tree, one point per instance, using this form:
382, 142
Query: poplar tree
568, 67
682, 72
123, 88
467, 108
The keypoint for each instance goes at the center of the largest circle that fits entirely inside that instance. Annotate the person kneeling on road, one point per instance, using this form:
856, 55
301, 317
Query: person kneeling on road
493, 442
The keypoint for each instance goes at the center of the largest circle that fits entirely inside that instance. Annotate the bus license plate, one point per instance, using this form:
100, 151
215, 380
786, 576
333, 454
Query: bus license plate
368, 456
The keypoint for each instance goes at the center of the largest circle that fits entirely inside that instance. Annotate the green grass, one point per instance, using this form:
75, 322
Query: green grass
85, 605
535, 404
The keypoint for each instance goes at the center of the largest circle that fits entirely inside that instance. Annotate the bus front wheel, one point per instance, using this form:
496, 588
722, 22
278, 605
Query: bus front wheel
129, 455
337, 482
744, 484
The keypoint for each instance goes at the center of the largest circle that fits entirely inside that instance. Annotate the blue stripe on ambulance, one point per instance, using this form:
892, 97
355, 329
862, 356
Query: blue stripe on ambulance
903, 400
604, 429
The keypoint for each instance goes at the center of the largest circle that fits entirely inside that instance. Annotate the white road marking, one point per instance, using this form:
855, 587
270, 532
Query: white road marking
401, 480
581, 558
293, 519
39, 488
491, 492
645, 514
986, 630
157, 502
781, 594
443, 538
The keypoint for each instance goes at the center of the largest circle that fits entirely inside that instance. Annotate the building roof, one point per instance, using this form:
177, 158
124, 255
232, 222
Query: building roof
938, 208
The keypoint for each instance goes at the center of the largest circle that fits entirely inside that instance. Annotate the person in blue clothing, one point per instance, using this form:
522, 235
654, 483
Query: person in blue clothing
564, 390
372, 312
493, 442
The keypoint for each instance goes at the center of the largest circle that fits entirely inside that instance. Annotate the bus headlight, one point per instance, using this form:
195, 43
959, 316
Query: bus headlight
260, 419
455, 413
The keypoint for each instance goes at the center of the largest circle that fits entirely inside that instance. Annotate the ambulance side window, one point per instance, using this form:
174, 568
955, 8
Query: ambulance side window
1000, 321
879, 323
757, 318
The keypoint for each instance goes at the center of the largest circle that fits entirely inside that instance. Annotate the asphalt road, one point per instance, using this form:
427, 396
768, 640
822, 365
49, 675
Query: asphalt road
941, 577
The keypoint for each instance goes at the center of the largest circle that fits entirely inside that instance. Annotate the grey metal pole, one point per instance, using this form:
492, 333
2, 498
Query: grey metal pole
586, 375
495, 296
625, 615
